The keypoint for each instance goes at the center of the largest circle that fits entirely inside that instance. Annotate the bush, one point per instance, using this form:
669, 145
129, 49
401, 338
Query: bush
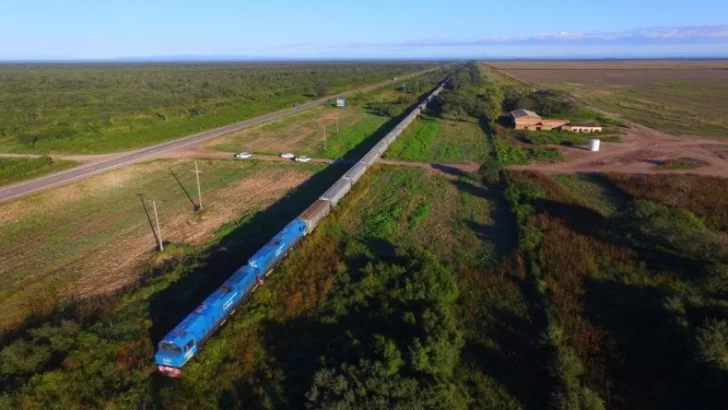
546, 154
712, 343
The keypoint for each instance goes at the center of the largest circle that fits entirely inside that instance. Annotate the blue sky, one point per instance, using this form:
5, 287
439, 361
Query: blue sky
107, 29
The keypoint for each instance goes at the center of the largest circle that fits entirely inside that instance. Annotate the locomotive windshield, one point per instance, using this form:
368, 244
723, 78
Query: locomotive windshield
170, 347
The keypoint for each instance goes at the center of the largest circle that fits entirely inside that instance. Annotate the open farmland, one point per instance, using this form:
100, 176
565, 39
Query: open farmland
90, 237
681, 98
107, 108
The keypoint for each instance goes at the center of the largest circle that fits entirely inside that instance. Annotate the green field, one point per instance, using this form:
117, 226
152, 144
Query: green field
268, 353
91, 237
18, 169
107, 108
431, 139
302, 134
365, 121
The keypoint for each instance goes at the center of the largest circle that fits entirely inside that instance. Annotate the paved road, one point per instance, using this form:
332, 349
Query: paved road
128, 158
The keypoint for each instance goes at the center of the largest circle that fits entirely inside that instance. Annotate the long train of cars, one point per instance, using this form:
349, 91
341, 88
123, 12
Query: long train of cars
186, 339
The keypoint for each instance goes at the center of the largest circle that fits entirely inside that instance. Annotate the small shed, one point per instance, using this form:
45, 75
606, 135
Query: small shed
340, 102
586, 127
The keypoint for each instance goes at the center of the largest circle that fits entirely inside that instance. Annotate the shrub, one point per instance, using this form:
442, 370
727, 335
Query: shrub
712, 343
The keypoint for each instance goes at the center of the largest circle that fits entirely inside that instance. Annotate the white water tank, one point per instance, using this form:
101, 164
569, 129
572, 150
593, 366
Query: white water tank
594, 145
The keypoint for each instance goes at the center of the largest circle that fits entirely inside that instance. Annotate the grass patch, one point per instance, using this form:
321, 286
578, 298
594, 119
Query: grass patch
436, 140
679, 163
595, 190
14, 170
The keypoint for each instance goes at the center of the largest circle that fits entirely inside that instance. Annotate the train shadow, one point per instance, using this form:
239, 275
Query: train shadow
368, 143
198, 272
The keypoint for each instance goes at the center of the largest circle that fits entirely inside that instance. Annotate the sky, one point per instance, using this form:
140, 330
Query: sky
372, 29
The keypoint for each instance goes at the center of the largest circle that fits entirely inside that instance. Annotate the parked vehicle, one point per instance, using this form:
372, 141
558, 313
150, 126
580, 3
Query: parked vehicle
303, 159
287, 155
243, 155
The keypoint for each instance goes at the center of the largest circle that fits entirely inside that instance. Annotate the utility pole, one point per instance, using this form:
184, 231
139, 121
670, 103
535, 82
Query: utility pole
199, 191
159, 232
337, 123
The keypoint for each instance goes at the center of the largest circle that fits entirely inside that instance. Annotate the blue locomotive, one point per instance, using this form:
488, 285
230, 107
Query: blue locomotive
185, 340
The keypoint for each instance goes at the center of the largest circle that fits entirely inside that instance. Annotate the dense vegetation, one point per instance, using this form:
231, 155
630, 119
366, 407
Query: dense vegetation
102, 108
635, 299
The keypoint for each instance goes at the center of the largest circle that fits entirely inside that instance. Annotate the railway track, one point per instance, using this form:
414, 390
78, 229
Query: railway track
127, 158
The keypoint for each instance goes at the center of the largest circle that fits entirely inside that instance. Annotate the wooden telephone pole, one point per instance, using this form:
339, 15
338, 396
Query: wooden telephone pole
159, 231
199, 191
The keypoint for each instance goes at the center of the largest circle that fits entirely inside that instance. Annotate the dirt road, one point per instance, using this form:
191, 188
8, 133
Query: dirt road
103, 163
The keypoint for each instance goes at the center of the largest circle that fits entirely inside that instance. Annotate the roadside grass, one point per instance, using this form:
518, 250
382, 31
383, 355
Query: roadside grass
435, 140
14, 170
89, 238
106, 108
594, 189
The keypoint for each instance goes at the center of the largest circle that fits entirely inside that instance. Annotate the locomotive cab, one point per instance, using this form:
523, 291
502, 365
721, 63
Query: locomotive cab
172, 355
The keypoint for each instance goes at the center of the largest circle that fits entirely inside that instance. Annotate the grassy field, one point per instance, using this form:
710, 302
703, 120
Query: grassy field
90, 237
682, 99
14, 170
106, 108
432, 139
303, 134
268, 354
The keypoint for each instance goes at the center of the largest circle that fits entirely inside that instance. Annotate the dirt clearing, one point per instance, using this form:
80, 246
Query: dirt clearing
642, 150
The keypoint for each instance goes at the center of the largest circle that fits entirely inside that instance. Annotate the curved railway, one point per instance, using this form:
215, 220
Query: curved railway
187, 338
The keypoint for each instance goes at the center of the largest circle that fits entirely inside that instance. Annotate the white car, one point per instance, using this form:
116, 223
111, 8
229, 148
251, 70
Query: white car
243, 155
303, 159
287, 155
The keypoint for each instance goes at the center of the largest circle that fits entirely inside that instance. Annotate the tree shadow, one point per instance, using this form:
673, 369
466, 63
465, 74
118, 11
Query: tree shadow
520, 361
501, 232
450, 170
658, 367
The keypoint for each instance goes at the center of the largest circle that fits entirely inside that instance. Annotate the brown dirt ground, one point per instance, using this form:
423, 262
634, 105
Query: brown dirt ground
617, 77
607, 65
640, 151
116, 262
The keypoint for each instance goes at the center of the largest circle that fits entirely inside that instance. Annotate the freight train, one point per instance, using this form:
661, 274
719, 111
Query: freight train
186, 339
